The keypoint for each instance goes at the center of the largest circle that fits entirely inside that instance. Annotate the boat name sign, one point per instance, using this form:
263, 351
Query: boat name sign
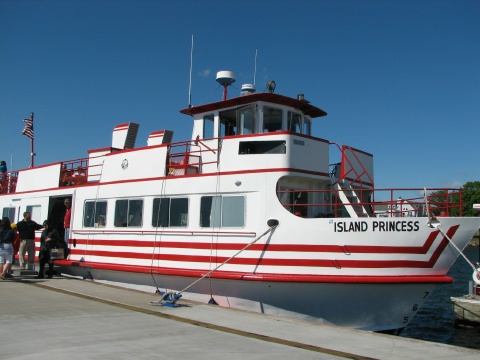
379, 226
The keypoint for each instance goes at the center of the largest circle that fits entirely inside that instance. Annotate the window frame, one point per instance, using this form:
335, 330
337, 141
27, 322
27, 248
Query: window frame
97, 212
128, 223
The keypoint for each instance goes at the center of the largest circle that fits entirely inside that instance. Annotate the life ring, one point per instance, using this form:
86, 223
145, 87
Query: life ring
476, 276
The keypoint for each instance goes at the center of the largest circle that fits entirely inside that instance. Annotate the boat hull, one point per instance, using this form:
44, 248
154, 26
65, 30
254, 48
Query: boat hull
372, 306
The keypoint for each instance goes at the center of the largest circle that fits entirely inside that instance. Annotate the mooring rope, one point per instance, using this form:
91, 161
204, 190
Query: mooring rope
230, 258
435, 224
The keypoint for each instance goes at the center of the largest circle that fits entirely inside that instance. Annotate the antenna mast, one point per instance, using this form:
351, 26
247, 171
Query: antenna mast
255, 70
190, 84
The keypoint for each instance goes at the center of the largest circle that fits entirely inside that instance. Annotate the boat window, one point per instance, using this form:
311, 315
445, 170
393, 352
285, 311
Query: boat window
208, 127
170, 212
262, 147
128, 213
272, 119
95, 214
228, 123
246, 120
9, 212
233, 211
36, 211
307, 126
222, 211
294, 122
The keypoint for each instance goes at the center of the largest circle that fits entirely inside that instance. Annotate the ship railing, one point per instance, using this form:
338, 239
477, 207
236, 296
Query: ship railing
184, 159
8, 182
74, 172
401, 202
353, 175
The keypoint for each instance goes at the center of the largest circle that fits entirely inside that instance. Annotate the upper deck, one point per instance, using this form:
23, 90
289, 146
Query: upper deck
251, 134
237, 132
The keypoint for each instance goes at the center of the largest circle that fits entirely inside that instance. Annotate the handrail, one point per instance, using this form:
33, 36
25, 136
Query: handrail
8, 182
182, 160
352, 168
394, 202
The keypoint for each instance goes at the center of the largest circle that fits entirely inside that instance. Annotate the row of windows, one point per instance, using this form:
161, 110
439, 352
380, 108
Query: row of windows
243, 120
215, 211
34, 210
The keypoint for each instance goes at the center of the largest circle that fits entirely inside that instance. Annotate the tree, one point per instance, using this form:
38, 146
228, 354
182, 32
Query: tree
470, 196
449, 201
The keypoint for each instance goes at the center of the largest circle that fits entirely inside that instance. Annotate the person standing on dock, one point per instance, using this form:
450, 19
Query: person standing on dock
48, 240
66, 221
26, 229
7, 237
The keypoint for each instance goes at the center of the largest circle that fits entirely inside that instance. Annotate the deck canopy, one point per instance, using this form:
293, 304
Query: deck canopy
302, 105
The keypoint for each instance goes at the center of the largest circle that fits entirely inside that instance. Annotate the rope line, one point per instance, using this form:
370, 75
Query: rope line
435, 224
157, 234
230, 258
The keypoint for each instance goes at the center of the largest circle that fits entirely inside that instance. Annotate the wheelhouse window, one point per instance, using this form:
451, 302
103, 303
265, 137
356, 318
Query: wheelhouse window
246, 120
228, 123
272, 119
294, 122
95, 214
222, 211
128, 213
208, 127
169, 212
307, 126
9, 212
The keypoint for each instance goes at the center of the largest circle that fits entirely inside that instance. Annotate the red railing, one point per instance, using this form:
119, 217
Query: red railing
394, 202
74, 172
352, 174
182, 160
8, 182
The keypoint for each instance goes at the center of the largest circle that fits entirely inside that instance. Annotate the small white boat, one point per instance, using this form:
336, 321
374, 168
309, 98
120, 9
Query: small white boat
467, 310
276, 220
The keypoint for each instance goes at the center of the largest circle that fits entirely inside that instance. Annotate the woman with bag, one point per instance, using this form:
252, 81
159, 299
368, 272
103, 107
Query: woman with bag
7, 237
50, 239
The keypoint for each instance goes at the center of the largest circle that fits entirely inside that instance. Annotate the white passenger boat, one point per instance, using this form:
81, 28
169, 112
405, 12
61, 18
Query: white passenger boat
281, 222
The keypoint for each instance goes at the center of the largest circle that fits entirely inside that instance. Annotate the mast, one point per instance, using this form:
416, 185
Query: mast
32, 152
28, 131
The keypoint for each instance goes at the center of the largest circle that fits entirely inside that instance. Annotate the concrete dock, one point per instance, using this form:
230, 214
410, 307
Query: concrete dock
78, 319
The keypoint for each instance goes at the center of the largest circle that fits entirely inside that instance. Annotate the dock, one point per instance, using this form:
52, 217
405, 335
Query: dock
79, 319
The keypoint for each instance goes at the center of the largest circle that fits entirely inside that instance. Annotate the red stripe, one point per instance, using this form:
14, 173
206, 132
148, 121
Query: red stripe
327, 263
263, 277
359, 249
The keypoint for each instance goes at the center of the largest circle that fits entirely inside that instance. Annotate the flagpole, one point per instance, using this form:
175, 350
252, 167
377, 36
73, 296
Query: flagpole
32, 153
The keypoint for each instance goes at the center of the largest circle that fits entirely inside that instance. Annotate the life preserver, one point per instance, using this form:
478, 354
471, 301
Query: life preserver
476, 276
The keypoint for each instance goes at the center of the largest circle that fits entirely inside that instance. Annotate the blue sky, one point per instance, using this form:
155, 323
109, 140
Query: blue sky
398, 79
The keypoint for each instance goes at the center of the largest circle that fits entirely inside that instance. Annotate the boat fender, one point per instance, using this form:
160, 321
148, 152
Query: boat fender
476, 276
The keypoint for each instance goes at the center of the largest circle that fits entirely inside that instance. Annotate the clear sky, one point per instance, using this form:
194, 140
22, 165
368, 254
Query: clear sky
399, 79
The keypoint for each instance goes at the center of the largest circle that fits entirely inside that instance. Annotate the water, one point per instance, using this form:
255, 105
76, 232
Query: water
435, 320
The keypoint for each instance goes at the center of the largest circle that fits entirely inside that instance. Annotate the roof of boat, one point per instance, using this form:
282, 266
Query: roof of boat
301, 105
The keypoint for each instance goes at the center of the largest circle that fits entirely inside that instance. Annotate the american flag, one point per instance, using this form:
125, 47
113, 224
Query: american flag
28, 130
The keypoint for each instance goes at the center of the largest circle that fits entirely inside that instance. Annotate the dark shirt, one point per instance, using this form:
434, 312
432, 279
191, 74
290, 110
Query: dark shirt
26, 229
52, 234
7, 236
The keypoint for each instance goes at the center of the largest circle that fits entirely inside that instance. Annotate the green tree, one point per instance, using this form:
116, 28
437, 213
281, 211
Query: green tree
449, 201
470, 196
